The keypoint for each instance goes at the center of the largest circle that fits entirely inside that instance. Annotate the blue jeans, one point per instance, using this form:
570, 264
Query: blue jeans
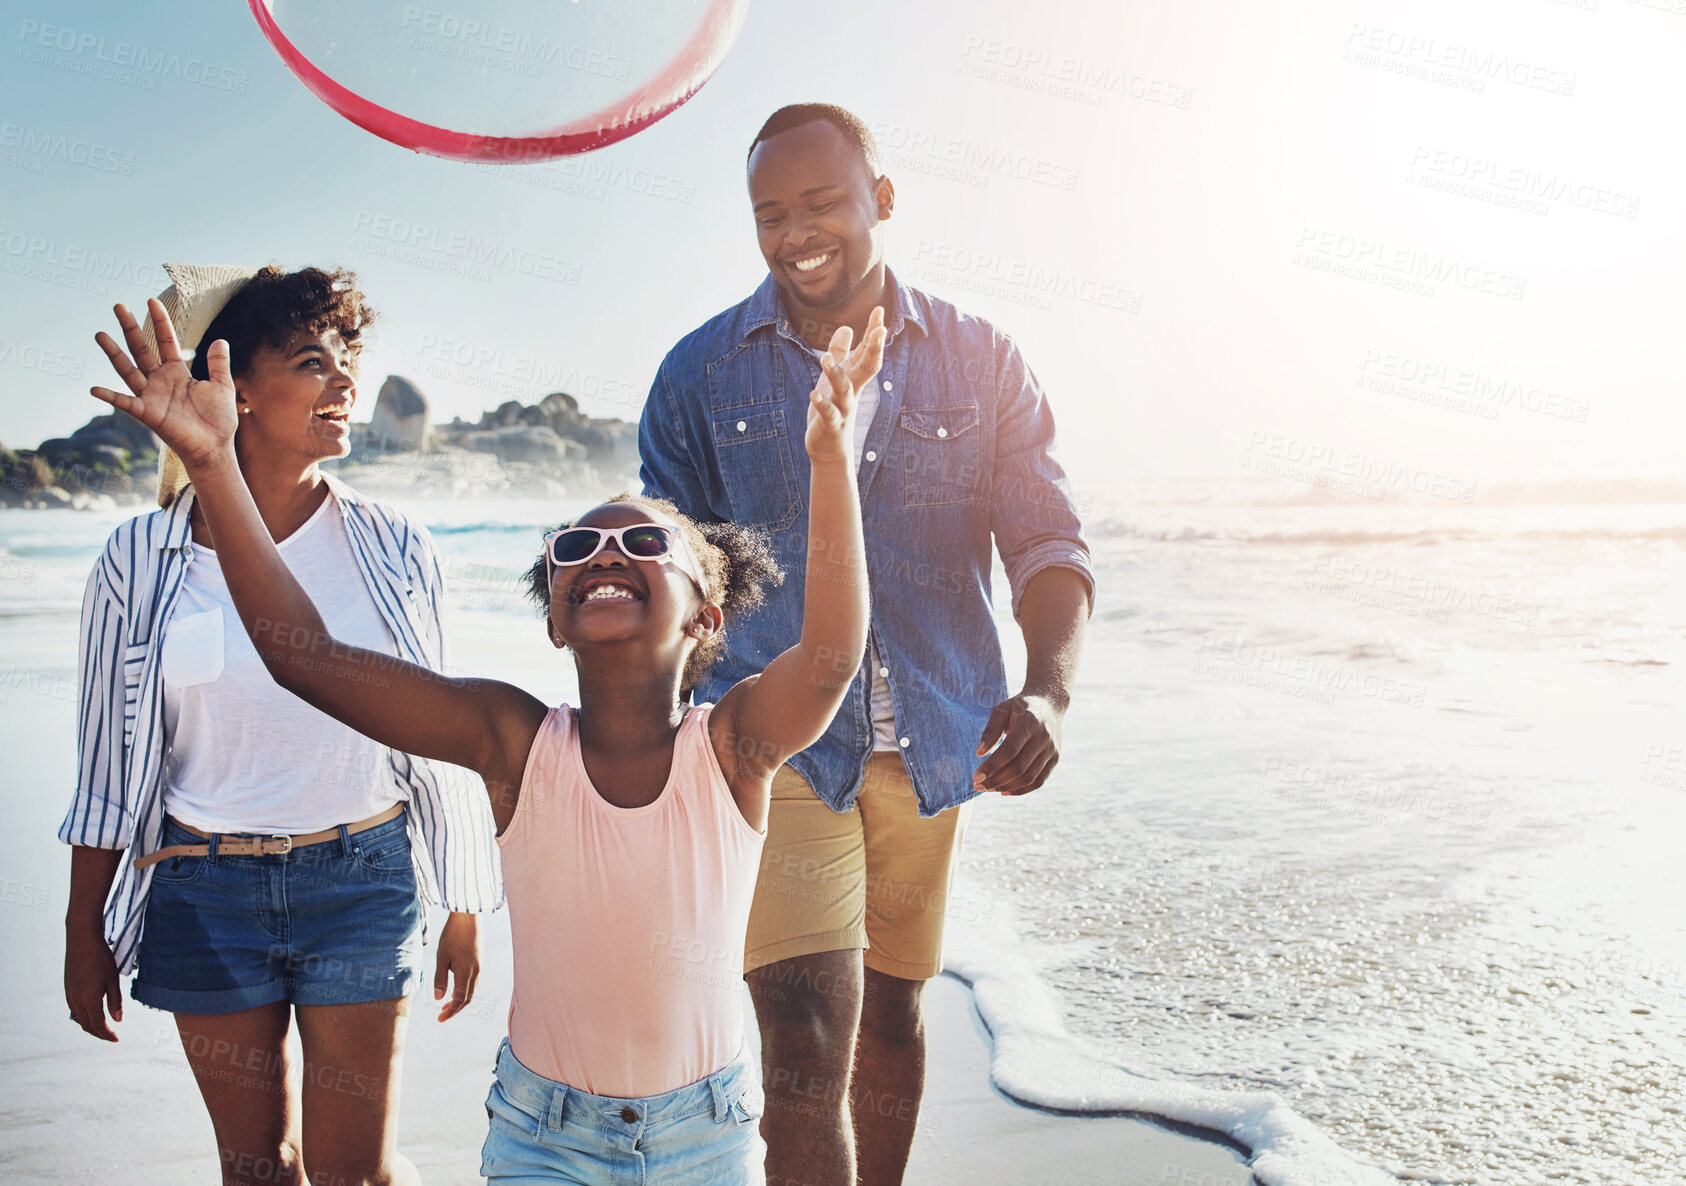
337, 923
706, 1133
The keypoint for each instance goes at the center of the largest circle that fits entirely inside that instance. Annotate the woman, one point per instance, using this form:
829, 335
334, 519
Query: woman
270, 863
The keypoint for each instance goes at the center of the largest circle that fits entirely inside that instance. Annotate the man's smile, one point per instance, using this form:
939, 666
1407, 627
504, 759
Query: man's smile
812, 263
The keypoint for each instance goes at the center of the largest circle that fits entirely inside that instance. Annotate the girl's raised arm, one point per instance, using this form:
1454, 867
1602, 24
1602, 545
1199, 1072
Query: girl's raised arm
791, 703
482, 724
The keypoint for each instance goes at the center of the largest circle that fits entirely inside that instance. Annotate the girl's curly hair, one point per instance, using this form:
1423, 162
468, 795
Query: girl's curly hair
274, 305
737, 566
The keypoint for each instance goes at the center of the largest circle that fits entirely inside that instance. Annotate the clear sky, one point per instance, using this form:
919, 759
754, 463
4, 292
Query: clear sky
1219, 230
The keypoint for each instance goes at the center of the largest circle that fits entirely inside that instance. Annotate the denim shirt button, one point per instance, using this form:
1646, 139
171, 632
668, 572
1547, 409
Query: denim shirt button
887, 385
884, 671
906, 741
941, 431
872, 455
742, 425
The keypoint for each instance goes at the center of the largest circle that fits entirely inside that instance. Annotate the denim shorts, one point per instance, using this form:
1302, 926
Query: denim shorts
336, 923
707, 1133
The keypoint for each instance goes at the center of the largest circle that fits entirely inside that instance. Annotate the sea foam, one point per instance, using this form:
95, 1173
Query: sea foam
1038, 1062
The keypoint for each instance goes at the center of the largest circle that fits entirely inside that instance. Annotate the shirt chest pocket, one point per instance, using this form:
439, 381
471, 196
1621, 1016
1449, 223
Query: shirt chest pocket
941, 455
193, 649
757, 468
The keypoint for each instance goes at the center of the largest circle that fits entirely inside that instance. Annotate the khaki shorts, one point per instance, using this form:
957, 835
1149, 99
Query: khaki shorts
877, 877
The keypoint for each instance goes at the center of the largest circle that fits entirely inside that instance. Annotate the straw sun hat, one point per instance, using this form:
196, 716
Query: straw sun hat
195, 296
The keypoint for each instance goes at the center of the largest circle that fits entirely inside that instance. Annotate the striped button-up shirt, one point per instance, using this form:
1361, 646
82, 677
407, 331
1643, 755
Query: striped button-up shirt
121, 742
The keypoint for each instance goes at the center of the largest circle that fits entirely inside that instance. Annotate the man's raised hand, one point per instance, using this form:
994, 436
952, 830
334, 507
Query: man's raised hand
196, 418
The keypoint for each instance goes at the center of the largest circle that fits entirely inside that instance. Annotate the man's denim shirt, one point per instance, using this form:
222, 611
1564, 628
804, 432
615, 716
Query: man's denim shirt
960, 451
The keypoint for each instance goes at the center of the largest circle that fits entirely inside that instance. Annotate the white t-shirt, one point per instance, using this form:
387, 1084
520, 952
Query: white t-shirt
883, 714
244, 754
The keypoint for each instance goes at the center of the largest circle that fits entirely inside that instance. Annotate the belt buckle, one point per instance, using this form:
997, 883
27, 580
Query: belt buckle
286, 843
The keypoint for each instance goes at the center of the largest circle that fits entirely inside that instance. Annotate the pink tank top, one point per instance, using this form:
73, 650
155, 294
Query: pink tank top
628, 923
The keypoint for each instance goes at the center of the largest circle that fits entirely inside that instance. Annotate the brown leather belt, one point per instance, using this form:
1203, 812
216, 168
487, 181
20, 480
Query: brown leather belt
261, 846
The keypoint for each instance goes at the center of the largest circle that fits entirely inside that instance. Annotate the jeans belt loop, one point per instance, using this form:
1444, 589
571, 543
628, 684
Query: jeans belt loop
553, 1114
717, 1088
215, 837
345, 842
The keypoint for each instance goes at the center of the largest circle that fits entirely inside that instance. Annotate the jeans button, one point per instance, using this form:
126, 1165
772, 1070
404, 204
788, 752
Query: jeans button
628, 1115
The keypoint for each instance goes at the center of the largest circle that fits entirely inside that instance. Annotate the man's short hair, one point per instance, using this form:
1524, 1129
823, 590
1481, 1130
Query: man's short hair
847, 122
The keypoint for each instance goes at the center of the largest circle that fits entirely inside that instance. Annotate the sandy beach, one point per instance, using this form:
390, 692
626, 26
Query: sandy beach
69, 1106
1366, 930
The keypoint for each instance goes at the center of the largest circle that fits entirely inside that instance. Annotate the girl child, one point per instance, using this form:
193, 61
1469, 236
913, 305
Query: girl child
631, 825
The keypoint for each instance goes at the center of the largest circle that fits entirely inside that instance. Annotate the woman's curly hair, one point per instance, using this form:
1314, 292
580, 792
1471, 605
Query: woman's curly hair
737, 566
274, 305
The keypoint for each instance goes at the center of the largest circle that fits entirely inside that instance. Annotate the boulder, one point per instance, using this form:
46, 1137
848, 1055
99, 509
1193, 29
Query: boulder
58, 451
118, 429
561, 411
506, 415
400, 419
532, 445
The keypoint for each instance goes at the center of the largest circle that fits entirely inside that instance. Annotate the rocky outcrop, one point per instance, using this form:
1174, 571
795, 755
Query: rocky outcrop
530, 444
400, 421
545, 450
109, 460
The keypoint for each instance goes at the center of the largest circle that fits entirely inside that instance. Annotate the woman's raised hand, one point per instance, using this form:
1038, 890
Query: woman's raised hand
196, 418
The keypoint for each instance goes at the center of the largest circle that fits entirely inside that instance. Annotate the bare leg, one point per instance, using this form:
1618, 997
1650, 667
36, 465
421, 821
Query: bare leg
809, 1008
240, 1063
889, 1076
353, 1056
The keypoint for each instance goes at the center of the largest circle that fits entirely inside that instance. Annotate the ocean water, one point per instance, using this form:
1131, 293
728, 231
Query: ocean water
1366, 843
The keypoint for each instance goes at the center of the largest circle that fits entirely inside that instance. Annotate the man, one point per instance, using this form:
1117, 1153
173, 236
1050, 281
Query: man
953, 446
